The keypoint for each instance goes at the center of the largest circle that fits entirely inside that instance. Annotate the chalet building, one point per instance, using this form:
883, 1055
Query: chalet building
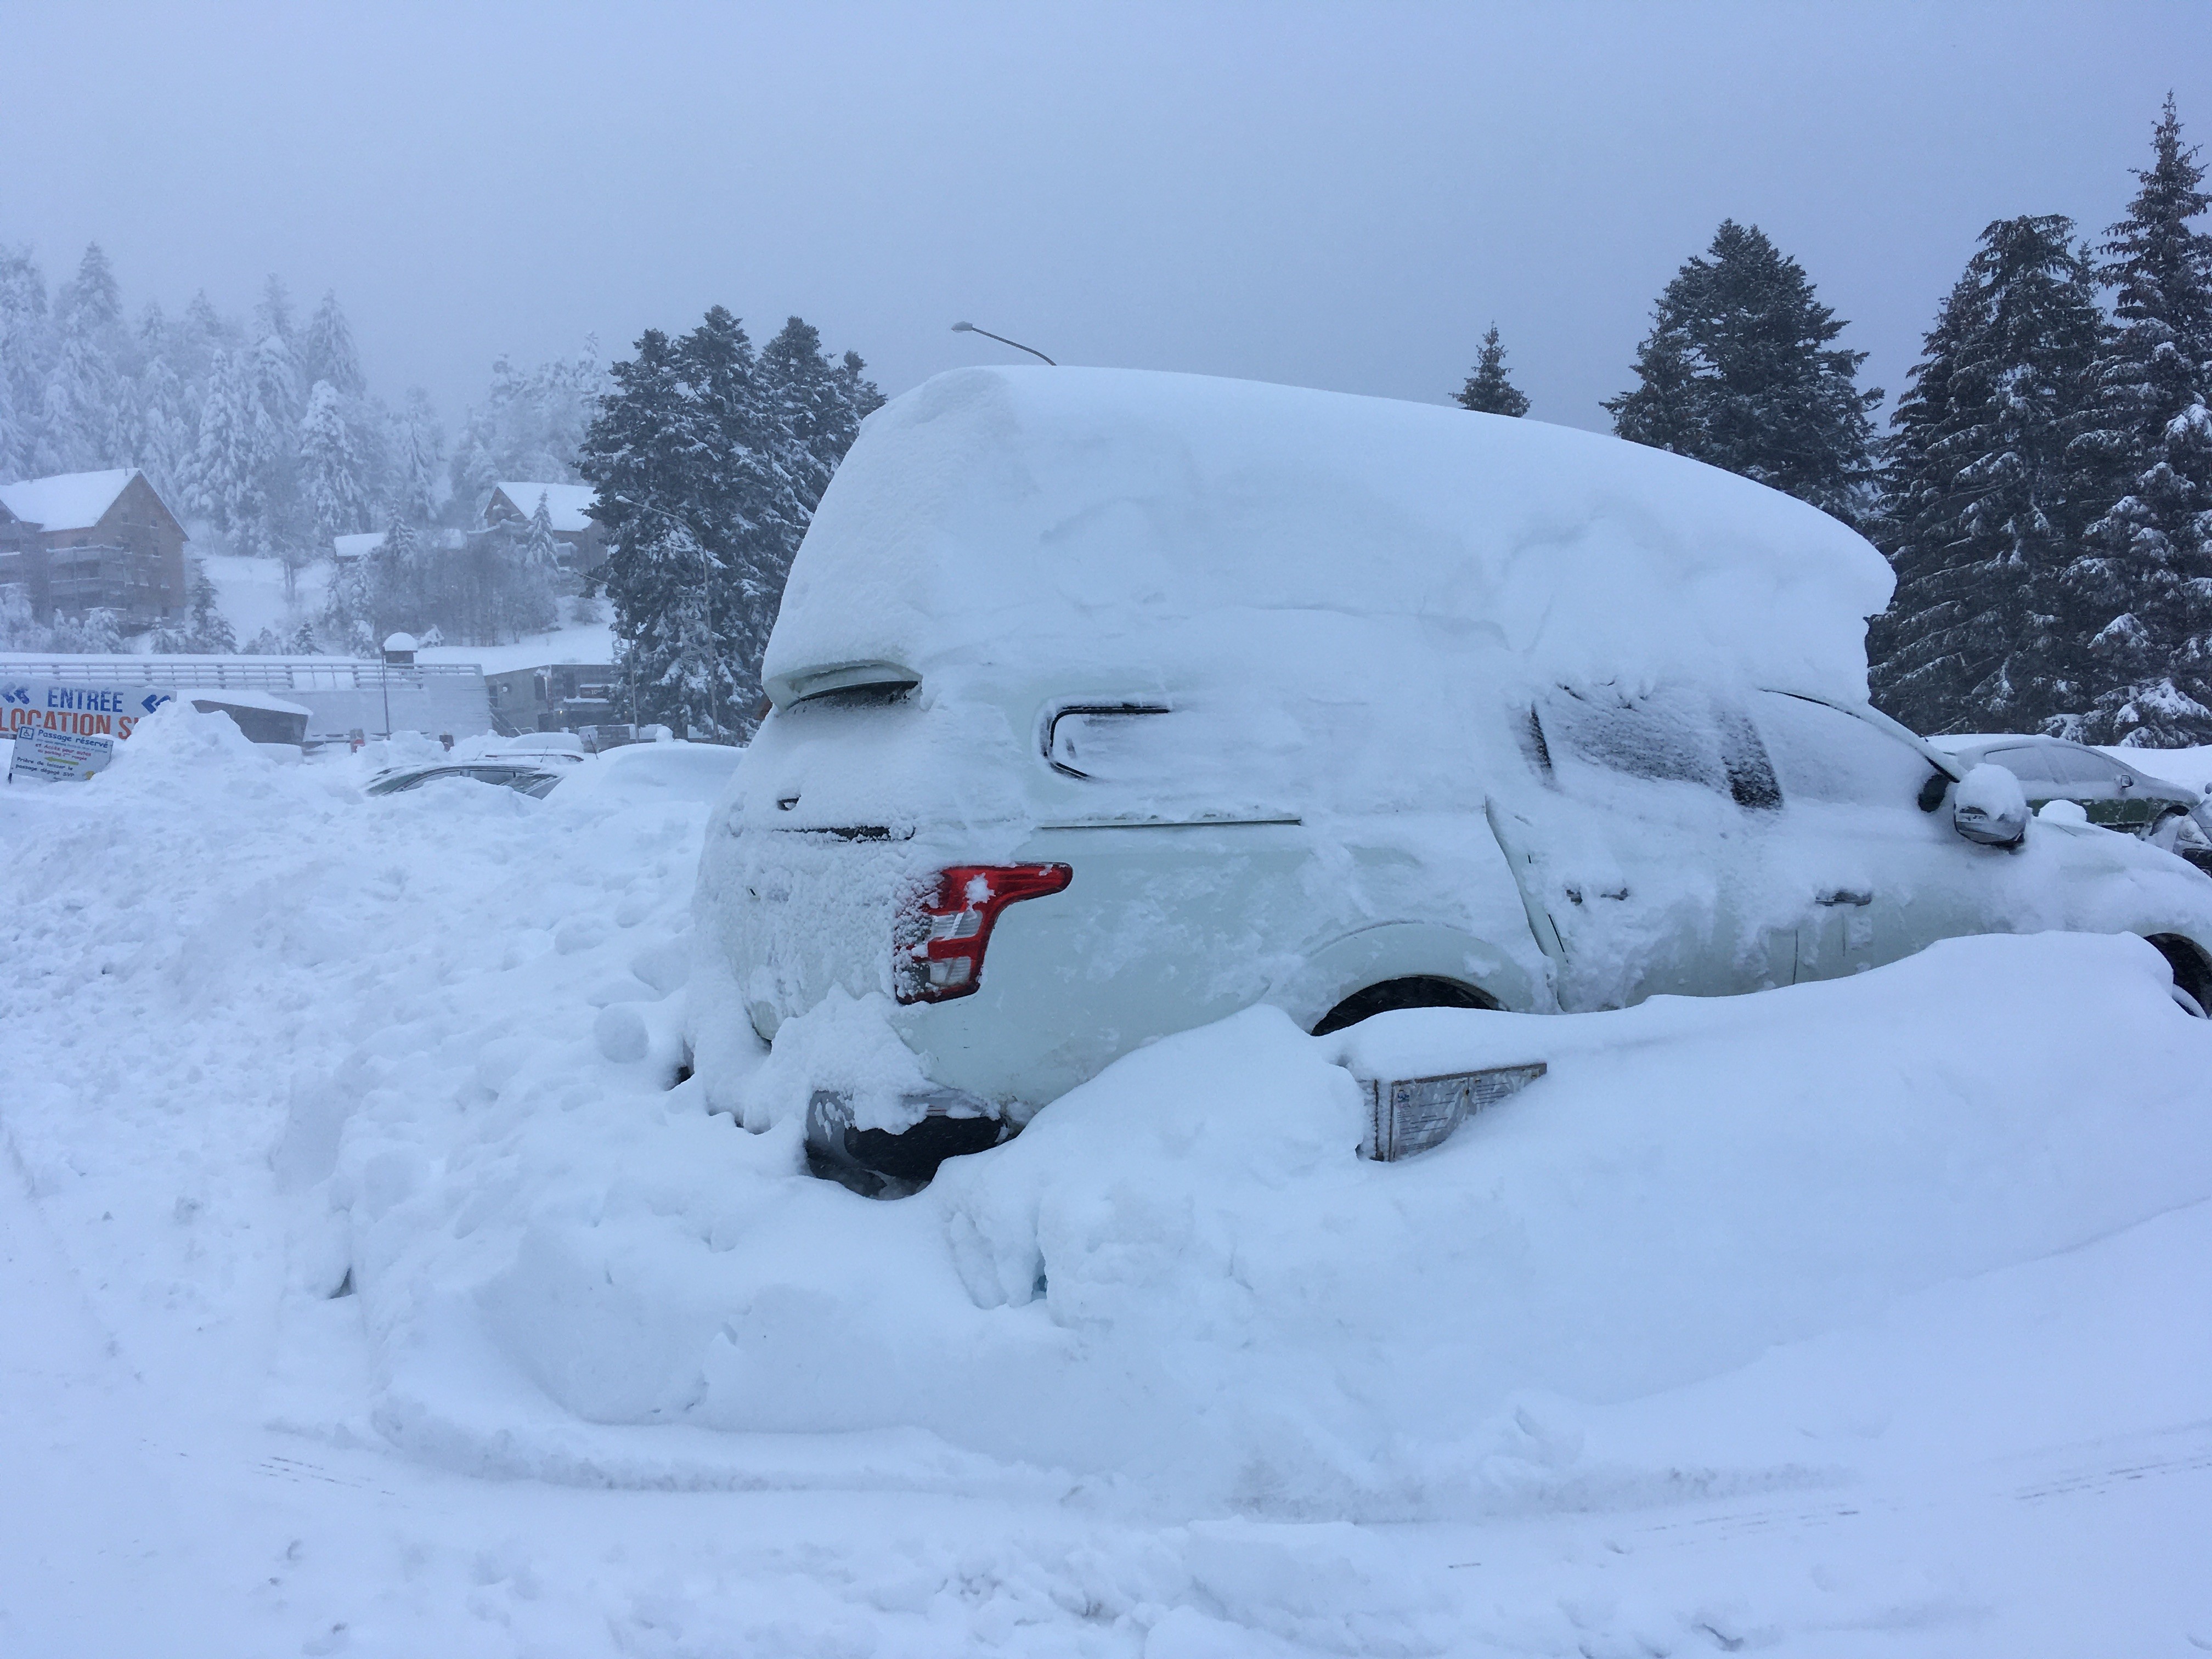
94, 541
567, 507
556, 697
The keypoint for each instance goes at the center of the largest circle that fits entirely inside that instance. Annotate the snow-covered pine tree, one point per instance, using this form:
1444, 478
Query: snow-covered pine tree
418, 444
663, 574
709, 462
526, 597
226, 470
327, 353
330, 471
529, 426
1487, 391
22, 365
541, 548
201, 335
1989, 494
210, 632
2145, 571
285, 527
88, 422
1739, 371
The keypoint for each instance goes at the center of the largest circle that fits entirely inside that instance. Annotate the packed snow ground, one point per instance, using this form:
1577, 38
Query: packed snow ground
370, 1290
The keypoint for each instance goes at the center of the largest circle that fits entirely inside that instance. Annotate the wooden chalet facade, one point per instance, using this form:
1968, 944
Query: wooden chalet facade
80, 542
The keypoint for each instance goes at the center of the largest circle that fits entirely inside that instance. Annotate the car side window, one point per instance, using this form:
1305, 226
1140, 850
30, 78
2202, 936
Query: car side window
2030, 765
1824, 754
2082, 766
1124, 742
1665, 735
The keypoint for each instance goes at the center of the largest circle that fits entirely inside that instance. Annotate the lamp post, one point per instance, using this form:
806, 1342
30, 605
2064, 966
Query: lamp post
970, 328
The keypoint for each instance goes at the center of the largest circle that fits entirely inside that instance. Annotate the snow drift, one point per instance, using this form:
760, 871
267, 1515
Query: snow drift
1182, 1282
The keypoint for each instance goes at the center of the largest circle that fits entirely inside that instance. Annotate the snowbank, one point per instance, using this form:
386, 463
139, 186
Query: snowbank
1182, 1281
268, 1041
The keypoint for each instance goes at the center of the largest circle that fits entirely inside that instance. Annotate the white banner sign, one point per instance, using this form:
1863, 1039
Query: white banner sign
68, 731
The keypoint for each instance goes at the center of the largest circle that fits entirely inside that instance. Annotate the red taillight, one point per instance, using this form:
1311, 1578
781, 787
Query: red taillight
940, 946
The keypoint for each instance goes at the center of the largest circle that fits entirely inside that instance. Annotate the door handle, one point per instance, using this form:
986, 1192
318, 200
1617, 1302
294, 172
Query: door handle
1845, 895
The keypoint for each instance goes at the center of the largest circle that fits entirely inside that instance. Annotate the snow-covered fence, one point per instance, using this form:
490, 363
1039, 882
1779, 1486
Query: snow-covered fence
341, 694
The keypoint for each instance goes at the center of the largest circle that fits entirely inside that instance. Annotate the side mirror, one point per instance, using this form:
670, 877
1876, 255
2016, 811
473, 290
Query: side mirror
1990, 807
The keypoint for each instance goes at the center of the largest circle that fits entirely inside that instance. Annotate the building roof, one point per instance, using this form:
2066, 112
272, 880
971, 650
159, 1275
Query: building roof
357, 546
568, 505
67, 500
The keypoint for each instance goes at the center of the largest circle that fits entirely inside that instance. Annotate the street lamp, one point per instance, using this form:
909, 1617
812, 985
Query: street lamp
970, 328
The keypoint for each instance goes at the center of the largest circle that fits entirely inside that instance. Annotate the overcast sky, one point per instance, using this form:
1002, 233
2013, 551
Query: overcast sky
1339, 196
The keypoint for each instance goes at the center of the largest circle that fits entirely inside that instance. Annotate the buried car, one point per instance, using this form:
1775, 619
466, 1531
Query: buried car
1106, 704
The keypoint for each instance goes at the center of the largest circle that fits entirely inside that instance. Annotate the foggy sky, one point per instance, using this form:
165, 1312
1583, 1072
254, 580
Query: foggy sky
1337, 196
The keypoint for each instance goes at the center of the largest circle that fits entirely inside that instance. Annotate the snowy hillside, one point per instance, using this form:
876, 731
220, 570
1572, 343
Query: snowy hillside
251, 594
375, 1288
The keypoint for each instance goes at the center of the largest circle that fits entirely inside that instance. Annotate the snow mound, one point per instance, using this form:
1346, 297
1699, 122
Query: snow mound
1107, 518
1182, 1281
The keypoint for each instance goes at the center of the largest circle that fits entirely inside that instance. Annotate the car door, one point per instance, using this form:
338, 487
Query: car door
1867, 845
1639, 835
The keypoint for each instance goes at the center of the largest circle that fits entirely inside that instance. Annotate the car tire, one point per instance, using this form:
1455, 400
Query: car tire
2193, 975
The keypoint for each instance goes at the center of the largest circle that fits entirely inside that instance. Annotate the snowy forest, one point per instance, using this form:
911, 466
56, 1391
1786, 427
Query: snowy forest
261, 431
2044, 488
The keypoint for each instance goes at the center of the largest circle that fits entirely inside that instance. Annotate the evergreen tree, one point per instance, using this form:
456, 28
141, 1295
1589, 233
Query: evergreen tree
418, 446
209, 632
23, 366
541, 548
657, 498
331, 468
169, 434
327, 354
1488, 392
86, 418
225, 467
2145, 574
709, 462
1990, 494
529, 426
91, 296
1738, 371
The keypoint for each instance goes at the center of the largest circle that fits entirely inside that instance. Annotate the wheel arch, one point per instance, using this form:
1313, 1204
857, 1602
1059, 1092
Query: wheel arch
1405, 954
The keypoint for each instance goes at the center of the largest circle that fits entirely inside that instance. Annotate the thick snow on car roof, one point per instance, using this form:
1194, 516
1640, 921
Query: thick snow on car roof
1077, 517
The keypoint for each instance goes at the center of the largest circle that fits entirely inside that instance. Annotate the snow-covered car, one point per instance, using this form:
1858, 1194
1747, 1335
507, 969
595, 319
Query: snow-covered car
2118, 795
1106, 704
532, 774
641, 773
